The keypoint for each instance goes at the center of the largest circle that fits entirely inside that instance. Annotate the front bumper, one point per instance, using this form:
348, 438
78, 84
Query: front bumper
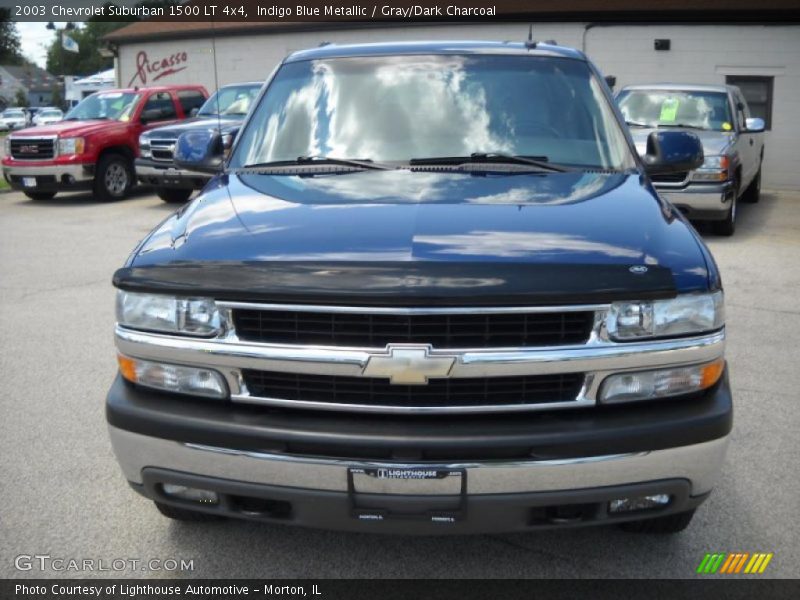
701, 201
166, 175
561, 468
49, 178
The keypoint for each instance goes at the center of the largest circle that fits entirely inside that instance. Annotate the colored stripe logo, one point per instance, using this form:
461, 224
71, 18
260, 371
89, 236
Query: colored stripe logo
734, 563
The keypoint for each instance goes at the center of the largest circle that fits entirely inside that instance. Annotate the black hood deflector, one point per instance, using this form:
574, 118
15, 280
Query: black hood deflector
403, 283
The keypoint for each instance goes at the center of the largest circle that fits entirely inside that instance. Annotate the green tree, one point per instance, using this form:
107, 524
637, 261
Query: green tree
10, 52
21, 99
90, 39
87, 60
58, 97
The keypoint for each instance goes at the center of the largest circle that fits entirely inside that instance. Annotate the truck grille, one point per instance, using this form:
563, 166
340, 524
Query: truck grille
32, 148
162, 150
478, 330
679, 177
438, 393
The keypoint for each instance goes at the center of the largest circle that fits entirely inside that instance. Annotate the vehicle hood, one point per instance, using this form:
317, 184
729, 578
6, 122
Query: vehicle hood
714, 142
73, 128
196, 123
383, 235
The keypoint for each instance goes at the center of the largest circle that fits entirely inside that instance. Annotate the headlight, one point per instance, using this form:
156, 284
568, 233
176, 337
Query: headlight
662, 383
144, 146
714, 168
173, 378
7, 146
684, 315
70, 146
168, 314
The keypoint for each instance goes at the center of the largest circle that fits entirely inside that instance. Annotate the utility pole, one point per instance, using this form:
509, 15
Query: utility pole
61, 66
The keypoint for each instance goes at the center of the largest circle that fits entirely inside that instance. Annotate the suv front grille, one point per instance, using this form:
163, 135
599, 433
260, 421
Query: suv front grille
32, 148
438, 393
478, 330
162, 150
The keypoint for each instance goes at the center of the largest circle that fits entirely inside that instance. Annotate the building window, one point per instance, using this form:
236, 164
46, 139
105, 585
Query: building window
757, 91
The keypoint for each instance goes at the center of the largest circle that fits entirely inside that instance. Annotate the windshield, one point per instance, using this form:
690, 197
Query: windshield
50, 113
234, 100
673, 108
398, 108
14, 114
110, 105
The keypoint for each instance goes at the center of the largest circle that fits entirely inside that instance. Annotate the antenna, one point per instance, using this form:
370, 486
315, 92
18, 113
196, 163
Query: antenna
216, 79
529, 43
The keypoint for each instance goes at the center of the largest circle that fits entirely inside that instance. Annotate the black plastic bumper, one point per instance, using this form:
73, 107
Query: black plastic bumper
418, 515
547, 435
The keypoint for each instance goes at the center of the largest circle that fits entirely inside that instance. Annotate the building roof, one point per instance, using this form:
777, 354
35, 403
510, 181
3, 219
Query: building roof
776, 11
439, 47
31, 77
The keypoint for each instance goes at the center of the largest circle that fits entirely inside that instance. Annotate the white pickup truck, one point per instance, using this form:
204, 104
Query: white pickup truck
733, 145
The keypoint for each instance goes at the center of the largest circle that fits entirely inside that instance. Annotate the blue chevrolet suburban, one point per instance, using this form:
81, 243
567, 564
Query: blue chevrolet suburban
429, 289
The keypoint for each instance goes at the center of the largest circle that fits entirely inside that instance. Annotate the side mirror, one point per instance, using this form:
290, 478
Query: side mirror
194, 112
754, 125
151, 114
201, 151
672, 152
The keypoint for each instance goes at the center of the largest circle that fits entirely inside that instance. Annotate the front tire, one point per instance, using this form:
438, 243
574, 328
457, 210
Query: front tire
660, 525
727, 227
40, 195
186, 515
113, 178
753, 192
174, 196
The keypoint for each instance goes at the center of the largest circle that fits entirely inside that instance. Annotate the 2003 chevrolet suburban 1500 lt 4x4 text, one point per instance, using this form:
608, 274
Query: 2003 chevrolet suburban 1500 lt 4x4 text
94, 146
432, 290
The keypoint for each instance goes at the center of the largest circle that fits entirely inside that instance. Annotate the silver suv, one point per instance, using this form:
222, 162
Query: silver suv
733, 145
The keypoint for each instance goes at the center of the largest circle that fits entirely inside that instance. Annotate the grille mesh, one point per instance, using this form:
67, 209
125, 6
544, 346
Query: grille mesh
479, 330
32, 148
368, 391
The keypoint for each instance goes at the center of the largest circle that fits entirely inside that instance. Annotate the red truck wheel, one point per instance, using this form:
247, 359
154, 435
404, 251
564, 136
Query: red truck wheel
113, 178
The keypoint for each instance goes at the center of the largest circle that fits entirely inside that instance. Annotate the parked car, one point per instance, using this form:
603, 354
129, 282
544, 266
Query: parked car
13, 118
733, 144
226, 109
430, 290
47, 116
94, 146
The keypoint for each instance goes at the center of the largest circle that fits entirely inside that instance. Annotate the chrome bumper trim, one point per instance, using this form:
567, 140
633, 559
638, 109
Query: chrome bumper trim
699, 463
709, 197
228, 353
166, 171
76, 171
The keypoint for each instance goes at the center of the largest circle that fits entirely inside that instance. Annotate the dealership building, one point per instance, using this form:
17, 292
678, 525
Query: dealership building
762, 58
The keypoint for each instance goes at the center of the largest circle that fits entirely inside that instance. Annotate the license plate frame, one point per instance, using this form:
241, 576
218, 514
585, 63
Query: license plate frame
452, 483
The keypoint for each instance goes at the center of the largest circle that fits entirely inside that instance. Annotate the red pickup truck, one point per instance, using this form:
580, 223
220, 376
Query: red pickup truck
93, 148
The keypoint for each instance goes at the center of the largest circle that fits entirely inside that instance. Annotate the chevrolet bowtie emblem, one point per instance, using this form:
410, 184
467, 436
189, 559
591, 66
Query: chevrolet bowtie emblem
408, 365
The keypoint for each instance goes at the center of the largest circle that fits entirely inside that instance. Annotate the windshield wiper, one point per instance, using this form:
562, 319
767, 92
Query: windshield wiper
639, 124
322, 160
540, 162
683, 126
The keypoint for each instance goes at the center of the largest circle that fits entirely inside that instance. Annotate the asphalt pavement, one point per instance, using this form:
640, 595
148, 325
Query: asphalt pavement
63, 495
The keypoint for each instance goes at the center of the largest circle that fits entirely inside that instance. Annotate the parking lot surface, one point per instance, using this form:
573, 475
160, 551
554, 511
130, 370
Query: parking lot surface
63, 494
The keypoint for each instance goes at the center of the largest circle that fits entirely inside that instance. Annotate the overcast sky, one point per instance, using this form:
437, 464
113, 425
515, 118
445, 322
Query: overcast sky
35, 38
